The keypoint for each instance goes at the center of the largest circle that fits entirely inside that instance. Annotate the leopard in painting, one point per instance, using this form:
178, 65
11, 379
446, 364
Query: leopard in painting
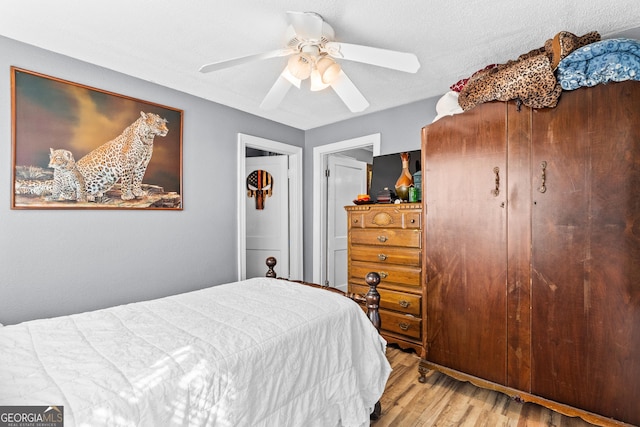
68, 183
33, 187
124, 158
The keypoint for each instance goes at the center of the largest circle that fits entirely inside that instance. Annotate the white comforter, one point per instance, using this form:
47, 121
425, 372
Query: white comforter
263, 352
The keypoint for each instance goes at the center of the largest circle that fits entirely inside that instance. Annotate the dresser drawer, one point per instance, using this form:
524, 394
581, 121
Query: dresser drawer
390, 300
401, 324
400, 275
389, 217
402, 256
386, 237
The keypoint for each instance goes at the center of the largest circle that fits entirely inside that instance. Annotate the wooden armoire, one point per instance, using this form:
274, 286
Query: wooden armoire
532, 250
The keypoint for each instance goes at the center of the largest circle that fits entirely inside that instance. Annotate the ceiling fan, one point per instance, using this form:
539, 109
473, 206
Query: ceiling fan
311, 49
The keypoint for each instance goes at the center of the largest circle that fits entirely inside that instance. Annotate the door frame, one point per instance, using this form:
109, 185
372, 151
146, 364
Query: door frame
295, 200
320, 154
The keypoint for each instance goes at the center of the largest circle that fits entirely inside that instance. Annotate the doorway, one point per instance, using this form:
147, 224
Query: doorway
267, 212
294, 212
346, 177
321, 156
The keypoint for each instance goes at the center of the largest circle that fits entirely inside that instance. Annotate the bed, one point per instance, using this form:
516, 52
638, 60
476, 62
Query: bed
260, 352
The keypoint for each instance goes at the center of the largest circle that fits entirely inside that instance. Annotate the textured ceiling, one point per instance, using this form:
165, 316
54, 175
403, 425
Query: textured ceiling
166, 42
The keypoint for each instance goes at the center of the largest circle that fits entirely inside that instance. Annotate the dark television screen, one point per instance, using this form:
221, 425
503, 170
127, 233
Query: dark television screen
386, 170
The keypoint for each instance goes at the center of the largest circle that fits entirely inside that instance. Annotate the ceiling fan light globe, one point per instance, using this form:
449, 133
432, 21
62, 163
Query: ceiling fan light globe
328, 69
299, 66
331, 73
316, 82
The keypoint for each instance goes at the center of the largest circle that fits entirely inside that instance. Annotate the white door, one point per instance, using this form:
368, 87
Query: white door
267, 229
346, 179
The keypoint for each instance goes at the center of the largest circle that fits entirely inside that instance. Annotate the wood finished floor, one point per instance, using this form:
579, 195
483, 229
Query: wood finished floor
443, 401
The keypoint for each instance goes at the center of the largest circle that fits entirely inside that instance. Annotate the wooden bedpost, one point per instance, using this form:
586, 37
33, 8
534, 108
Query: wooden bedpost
373, 306
271, 262
373, 299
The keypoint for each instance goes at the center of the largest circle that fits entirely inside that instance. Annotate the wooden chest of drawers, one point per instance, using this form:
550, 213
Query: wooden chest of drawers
387, 239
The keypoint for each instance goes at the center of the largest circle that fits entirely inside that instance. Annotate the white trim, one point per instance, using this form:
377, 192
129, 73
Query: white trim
295, 196
319, 196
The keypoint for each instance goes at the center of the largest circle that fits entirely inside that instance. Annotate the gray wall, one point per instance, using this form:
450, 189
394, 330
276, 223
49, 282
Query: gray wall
56, 262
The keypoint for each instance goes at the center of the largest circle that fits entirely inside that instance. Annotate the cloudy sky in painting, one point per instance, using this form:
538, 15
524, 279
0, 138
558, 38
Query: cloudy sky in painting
54, 114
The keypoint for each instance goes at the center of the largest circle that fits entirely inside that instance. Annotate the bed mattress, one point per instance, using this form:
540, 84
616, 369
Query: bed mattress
262, 352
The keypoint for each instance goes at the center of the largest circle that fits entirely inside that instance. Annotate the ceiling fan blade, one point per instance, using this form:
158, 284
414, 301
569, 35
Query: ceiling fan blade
401, 61
279, 90
307, 25
244, 59
349, 93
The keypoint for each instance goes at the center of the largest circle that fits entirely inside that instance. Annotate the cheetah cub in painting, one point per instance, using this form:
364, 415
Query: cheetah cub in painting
68, 183
124, 158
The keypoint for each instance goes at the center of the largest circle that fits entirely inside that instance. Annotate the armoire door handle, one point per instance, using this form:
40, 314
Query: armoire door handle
543, 177
496, 190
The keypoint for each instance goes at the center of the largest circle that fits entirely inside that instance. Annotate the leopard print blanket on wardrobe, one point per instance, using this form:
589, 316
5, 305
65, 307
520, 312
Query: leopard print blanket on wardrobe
530, 79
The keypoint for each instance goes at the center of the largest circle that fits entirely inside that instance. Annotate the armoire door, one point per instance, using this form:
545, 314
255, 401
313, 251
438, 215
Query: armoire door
586, 251
465, 183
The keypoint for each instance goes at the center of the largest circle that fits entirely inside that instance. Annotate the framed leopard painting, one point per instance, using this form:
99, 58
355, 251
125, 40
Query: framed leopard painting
78, 147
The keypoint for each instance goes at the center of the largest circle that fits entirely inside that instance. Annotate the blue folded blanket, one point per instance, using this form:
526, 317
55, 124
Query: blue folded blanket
613, 60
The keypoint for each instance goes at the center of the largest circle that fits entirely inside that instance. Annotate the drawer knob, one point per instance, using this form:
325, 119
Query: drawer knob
382, 257
404, 326
383, 275
412, 221
382, 238
404, 304
355, 221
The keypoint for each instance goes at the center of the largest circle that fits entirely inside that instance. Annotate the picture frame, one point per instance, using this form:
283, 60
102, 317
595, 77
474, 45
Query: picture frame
79, 147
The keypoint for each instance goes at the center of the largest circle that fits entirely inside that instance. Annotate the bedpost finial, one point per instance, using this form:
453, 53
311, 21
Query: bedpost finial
372, 279
271, 262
